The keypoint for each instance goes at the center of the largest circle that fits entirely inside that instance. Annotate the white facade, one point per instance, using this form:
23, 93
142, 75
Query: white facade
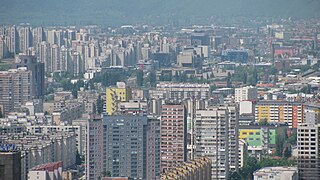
180, 91
308, 150
246, 107
243, 152
245, 93
77, 130
216, 132
42, 149
276, 173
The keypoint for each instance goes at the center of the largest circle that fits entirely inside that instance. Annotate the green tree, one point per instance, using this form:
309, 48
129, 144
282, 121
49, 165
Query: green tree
287, 153
166, 77
235, 176
245, 77
183, 77
106, 174
263, 122
78, 158
213, 87
306, 89
293, 138
280, 140
92, 86
74, 93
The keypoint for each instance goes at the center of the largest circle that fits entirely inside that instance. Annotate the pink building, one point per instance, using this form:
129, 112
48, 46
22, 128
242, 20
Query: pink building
173, 136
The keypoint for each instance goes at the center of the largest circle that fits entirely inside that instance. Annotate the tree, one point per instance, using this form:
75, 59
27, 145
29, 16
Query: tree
235, 176
78, 158
213, 87
245, 77
106, 174
92, 86
263, 122
247, 170
139, 78
293, 138
306, 89
166, 77
74, 93
287, 153
183, 77
280, 140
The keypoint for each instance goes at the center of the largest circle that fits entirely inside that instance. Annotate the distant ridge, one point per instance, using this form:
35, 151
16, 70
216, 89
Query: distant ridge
117, 12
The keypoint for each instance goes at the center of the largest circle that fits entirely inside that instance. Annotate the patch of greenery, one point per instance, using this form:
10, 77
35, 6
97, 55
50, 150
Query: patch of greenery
4, 66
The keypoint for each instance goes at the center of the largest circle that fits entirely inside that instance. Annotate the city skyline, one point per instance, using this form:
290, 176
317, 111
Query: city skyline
159, 90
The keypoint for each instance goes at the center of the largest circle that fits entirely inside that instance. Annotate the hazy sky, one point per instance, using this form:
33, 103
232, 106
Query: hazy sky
115, 12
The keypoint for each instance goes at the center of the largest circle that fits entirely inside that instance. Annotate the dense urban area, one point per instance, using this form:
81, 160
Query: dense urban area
167, 102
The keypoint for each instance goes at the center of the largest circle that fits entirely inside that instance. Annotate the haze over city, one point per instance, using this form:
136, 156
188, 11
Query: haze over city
159, 90
160, 12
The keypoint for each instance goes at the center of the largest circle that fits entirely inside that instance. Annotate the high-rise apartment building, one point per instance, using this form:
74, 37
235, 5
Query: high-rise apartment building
311, 112
55, 58
127, 146
3, 48
95, 148
10, 165
78, 64
216, 137
12, 39
173, 136
51, 37
114, 95
37, 37
308, 144
280, 112
44, 55
37, 73
245, 93
153, 148
65, 59
308, 151
25, 39
15, 88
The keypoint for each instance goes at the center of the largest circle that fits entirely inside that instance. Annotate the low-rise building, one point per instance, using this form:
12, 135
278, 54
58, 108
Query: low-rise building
276, 173
260, 139
48, 171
